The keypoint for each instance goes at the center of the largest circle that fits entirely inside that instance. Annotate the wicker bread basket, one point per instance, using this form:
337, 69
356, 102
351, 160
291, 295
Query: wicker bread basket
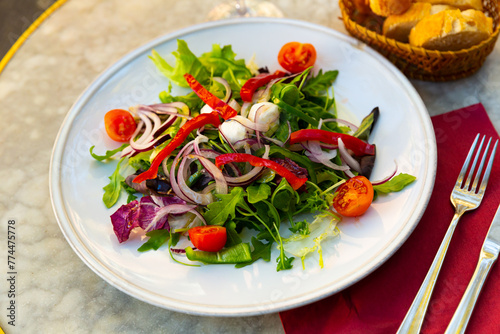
419, 63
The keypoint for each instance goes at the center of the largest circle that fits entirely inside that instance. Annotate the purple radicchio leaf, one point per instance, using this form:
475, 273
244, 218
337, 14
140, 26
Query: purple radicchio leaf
125, 219
141, 214
149, 208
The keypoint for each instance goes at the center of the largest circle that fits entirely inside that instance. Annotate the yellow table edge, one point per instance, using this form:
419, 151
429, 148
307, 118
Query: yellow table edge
8, 56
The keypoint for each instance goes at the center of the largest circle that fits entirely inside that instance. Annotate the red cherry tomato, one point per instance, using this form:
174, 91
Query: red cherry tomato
354, 197
208, 238
296, 57
120, 125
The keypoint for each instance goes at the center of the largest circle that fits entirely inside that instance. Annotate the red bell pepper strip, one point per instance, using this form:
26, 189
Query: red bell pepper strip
213, 101
251, 85
180, 137
295, 181
359, 147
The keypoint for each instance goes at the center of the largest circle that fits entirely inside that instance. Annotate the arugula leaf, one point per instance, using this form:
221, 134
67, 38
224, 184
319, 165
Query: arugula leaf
301, 227
218, 212
300, 79
284, 198
317, 100
318, 85
397, 183
289, 93
313, 200
260, 250
284, 262
156, 239
296, 111
113, 189
186, 62
258, 193
130, 191
233, 237
108, 154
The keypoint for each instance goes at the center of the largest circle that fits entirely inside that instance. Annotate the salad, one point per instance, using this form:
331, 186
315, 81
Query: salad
231, 169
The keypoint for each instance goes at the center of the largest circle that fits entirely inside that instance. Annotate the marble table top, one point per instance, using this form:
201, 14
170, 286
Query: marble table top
55, 291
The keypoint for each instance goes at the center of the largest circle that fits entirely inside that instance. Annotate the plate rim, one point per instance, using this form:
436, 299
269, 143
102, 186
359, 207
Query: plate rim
142, 294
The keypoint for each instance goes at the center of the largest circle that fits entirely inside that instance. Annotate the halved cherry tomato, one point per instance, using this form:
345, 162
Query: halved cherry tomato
208, 238
295, 57
120, 125
354, 197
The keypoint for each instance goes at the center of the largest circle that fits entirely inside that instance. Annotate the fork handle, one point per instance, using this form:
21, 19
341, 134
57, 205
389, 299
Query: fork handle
413, 320
460, 319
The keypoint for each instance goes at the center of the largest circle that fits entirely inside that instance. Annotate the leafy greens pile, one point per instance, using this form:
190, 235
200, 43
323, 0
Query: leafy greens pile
257, 205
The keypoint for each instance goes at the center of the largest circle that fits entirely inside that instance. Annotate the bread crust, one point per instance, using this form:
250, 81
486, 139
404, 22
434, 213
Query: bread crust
389, 7
398, 27
460, 4
451, 30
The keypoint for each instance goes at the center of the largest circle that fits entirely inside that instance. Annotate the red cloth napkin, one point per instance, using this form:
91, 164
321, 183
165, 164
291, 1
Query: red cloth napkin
378, 303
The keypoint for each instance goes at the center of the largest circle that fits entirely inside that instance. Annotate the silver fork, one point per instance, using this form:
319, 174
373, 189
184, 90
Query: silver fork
465, 196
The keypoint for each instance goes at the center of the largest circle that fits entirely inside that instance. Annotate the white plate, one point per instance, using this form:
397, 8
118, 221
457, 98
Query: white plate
404, 134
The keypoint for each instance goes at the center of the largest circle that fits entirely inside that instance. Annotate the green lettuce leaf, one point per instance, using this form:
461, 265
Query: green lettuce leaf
156, 239
397, 183
261, 250
186, 62
222, 62
258, 193
113, 189
108, 154
218, 212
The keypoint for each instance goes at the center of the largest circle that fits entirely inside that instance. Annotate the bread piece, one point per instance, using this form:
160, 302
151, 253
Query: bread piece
451, 30
399, 26
389, 7
460, 4
439, 8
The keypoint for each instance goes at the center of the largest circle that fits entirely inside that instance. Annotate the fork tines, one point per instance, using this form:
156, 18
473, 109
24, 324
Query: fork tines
473, 173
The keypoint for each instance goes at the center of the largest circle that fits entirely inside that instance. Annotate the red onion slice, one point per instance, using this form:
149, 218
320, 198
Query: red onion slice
316, 154
152, 126
194, 197
197, 141
249, 177
235, 105
224, 83
385, 179
265, 95
166, 210
220, 181
245, 109
173, 179
350, 161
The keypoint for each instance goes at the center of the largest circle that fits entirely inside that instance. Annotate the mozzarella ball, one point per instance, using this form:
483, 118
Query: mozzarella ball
233, 131
266, 113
